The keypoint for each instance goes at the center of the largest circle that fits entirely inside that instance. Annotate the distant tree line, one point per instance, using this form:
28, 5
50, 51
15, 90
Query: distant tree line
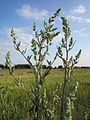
2, 66
23, 66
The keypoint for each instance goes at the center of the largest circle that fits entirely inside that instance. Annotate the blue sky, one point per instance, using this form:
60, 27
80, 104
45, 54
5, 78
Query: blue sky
21, 14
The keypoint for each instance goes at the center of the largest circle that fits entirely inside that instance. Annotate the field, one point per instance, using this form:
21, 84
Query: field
56, 76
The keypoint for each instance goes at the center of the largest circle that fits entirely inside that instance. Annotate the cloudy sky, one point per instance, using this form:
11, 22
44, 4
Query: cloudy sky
21, 14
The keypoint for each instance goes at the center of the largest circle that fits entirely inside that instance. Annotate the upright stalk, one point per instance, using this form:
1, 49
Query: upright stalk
39, 109
65, 81
66, 95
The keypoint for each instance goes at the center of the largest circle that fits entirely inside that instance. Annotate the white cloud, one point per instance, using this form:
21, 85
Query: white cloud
5, 46
28, 12
84, 59
87, 20
78, 19
80, 9
75, 15
23, 34
81, 32
59, 37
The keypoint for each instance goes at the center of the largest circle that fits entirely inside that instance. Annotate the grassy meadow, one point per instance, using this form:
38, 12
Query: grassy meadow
56, 76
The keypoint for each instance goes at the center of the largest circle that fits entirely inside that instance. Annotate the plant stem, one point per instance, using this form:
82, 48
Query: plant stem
65, 82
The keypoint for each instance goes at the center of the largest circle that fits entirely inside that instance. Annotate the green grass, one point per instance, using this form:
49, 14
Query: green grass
55, 76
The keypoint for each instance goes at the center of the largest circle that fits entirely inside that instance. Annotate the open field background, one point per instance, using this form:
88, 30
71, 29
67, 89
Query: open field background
56, 76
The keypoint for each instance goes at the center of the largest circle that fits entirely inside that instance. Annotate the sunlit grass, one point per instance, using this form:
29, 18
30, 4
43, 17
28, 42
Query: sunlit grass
56, 76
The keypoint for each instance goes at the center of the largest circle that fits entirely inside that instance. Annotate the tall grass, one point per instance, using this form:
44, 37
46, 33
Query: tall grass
19, 107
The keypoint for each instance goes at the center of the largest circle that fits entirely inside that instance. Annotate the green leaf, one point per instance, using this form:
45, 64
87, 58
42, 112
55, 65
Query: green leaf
60, 51
54, 29
29, 57
9, 63
66, 27
49, 62
13, 35
78, 55
34, 26
57, 12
